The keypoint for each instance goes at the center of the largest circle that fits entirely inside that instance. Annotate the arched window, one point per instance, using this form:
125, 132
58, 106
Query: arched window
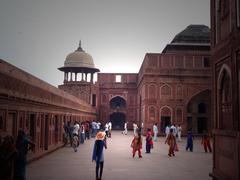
225, 88
225, 99
166, 91
152, 92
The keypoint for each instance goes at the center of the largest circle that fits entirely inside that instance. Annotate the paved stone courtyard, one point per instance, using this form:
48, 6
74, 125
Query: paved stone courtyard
64, 164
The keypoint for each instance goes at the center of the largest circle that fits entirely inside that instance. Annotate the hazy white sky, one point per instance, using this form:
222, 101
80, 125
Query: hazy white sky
37, 35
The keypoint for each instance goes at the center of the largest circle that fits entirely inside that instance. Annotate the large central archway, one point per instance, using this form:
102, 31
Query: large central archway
118, 119
199, 112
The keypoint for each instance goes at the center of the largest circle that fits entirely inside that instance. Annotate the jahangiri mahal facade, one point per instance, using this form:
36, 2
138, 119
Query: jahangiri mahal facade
172, 87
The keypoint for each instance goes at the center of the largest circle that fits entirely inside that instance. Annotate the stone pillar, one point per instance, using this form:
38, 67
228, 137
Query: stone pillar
85, 76
82, 76
91, 78
65, 76
71, 77
75, 76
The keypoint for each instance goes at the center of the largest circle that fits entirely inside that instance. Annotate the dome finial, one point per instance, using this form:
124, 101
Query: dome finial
80, 46
80, 43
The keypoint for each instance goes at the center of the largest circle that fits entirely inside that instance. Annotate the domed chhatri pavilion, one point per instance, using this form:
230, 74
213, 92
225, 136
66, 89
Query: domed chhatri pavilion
77, 68
78, 62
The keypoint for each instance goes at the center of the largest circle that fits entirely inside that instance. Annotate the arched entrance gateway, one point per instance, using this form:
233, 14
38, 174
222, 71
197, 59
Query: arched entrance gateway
118, 110
118, 119
166, 114
199, 112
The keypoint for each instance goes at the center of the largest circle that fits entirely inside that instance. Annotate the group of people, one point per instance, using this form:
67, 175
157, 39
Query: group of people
136, 143
205, 141
101, 133
136, 129
13, 155
177, 131
101, 142
172, 133
77, 133
151, 136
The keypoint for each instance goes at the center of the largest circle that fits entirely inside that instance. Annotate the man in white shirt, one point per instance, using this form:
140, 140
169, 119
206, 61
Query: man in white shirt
135, 127
82, 133
110, 128
174, 130
125, 128
94, 128
107, 129
76, 128
179, 129
155, 132
142, 127
167, 130
98, 125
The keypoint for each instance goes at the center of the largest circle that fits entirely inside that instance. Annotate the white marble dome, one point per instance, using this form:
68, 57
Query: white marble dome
79, 58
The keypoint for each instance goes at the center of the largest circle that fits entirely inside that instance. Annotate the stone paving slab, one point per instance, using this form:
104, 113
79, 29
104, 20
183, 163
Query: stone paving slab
64, 164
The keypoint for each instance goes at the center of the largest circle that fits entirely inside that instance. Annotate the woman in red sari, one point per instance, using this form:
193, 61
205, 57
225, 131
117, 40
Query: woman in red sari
171, 141
137, 145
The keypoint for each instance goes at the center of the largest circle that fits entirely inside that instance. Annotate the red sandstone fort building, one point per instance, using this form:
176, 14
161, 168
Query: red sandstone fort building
172, 87
181, 85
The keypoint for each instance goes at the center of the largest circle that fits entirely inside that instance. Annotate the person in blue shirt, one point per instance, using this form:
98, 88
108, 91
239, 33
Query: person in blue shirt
98, 155
189, 141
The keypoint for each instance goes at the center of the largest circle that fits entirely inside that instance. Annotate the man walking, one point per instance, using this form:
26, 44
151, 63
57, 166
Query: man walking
167, 130
155, 132
135, 127
125, 129
179, 129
